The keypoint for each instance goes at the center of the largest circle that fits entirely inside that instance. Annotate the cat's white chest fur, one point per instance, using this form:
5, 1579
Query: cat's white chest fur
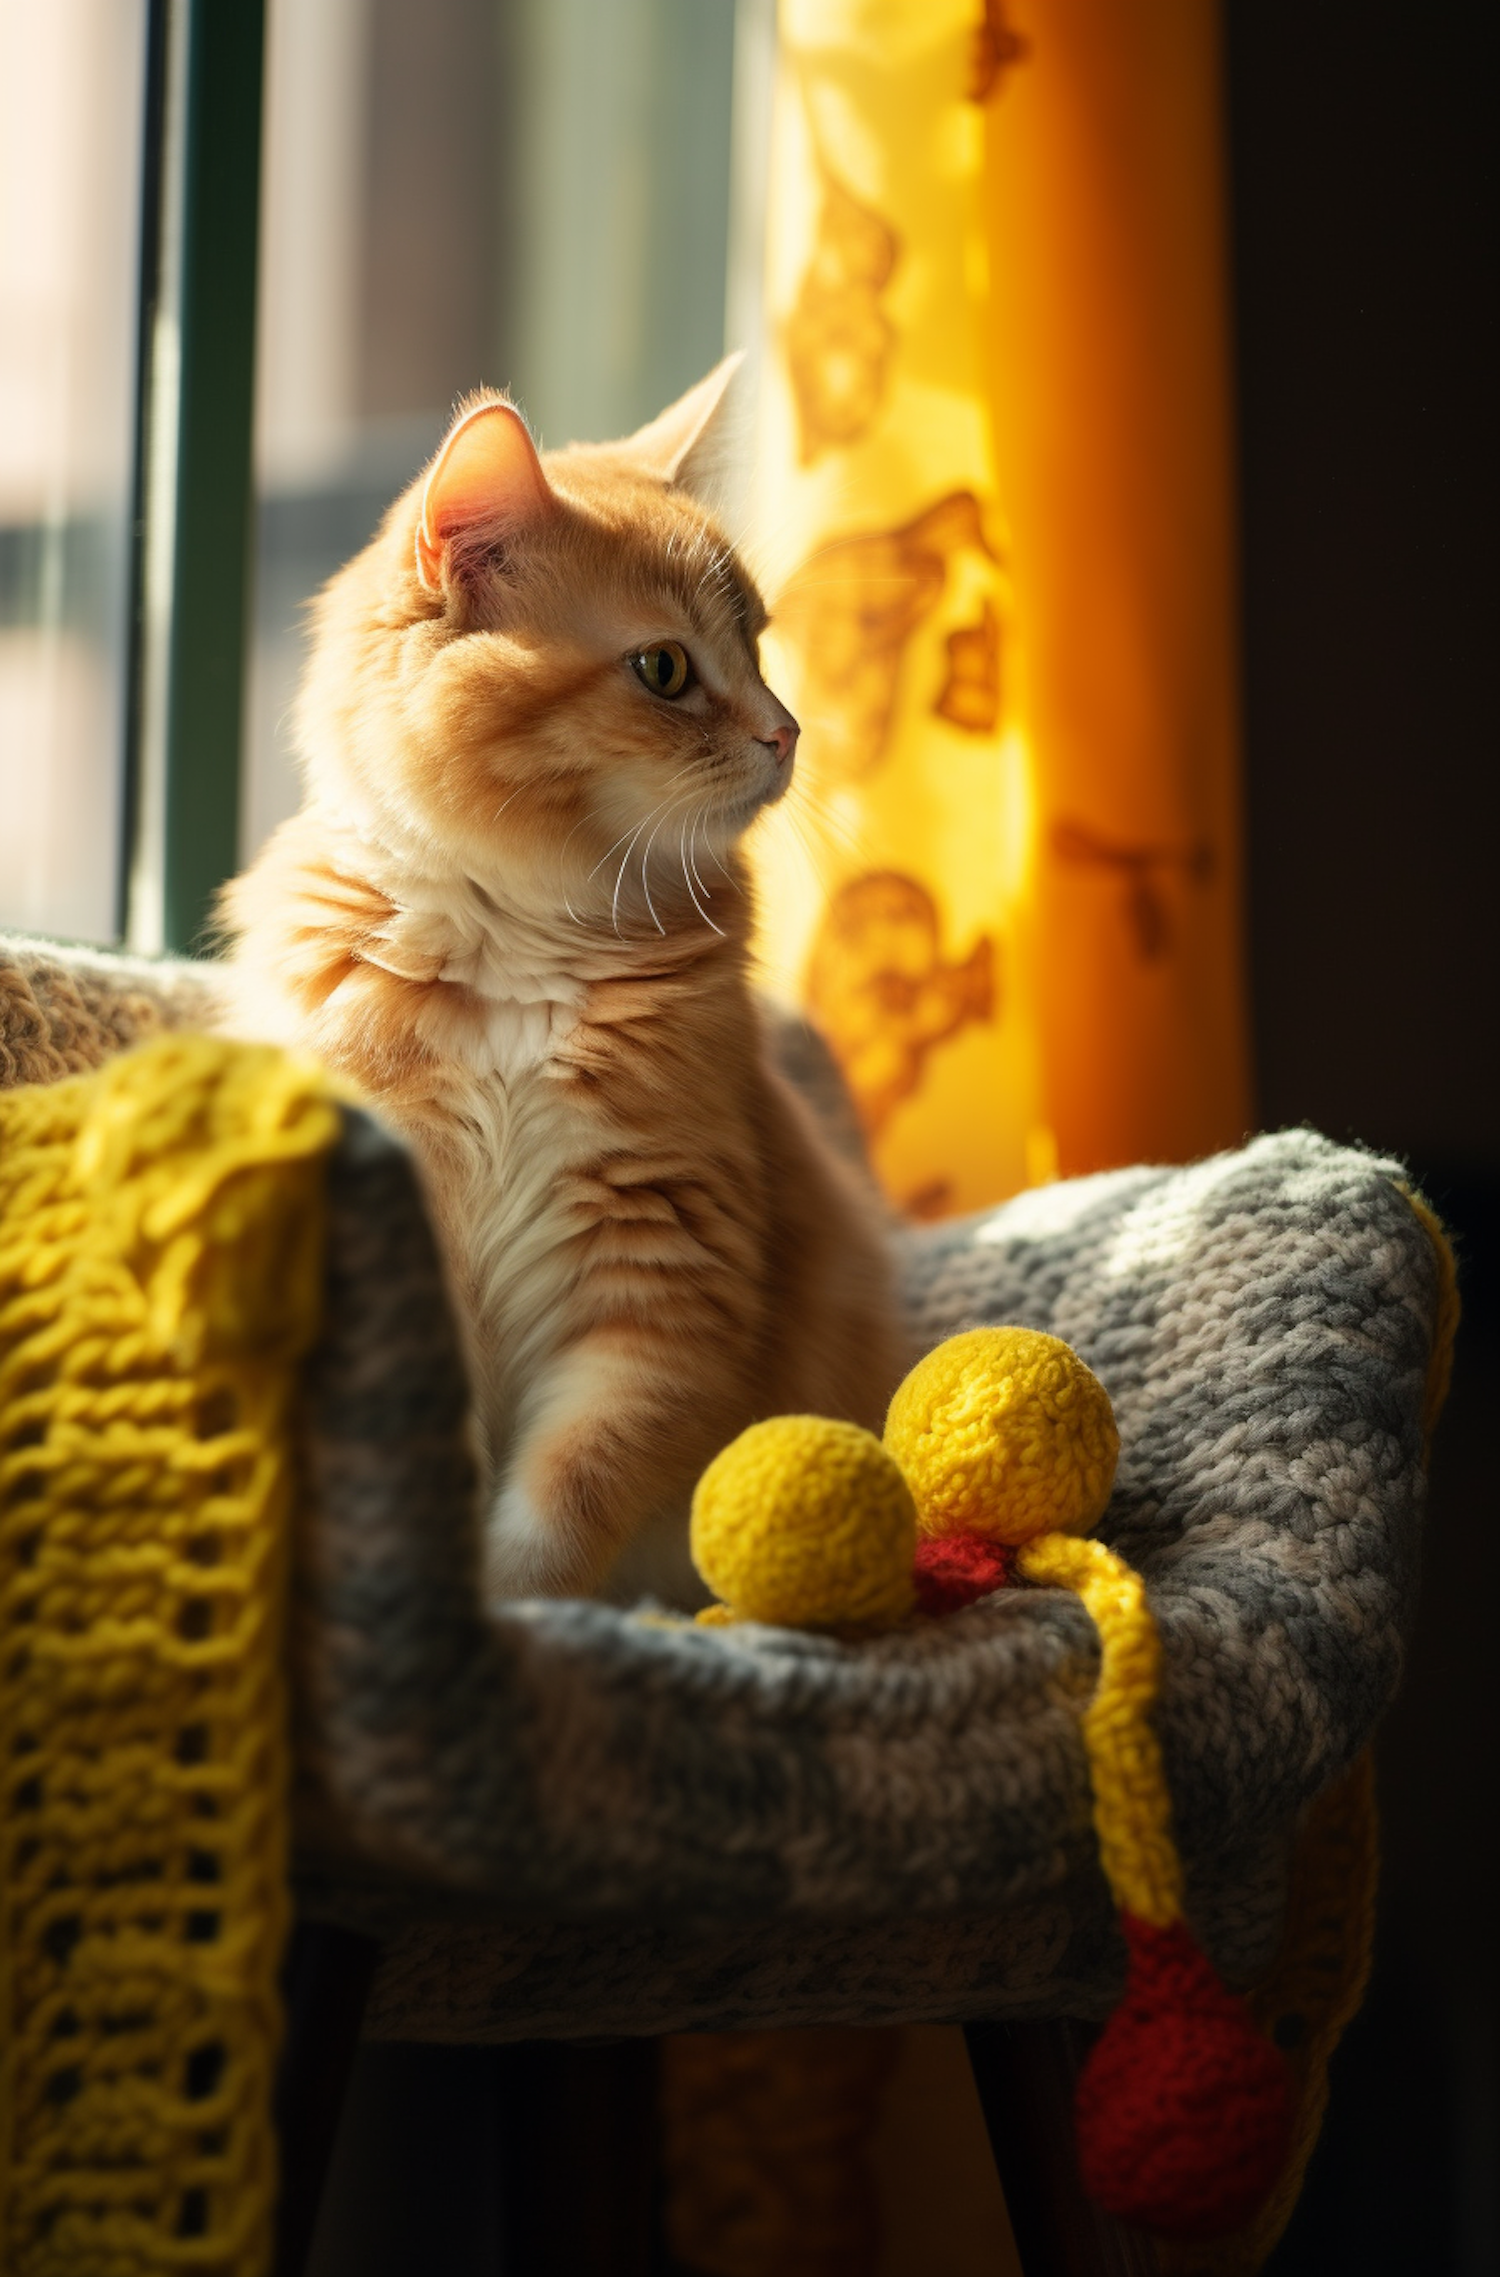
517, 998
513, 1036
515, 1138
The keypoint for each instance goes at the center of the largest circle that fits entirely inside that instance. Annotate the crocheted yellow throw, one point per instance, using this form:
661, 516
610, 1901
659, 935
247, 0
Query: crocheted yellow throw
160, 1276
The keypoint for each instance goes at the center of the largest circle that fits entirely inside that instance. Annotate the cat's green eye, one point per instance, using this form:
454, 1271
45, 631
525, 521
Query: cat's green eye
663, 668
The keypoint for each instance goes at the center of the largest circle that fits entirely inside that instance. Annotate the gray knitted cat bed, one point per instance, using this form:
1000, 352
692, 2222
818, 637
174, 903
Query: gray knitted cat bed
571, 1819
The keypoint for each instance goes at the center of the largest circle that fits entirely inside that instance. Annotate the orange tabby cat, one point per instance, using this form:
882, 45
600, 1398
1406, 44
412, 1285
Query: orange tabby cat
533, 727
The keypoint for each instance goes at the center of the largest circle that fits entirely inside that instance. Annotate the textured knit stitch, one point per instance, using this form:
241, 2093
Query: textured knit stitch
64, 1010
661, 1829
651, 1829
160, 1279
808, 1522
1004, 1431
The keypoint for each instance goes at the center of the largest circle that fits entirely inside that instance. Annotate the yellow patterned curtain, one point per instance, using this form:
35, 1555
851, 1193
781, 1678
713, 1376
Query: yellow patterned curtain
995, 509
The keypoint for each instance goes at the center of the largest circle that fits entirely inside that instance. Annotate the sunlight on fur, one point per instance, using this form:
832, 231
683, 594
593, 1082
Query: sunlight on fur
513, 910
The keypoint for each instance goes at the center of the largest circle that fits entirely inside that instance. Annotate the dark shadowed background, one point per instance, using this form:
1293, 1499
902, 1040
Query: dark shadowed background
1362, 151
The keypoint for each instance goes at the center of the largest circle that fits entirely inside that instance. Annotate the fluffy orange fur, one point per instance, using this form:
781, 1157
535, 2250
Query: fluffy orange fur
513, 910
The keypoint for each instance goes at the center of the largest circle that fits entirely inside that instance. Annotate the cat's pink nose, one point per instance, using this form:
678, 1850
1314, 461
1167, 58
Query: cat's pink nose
783, 742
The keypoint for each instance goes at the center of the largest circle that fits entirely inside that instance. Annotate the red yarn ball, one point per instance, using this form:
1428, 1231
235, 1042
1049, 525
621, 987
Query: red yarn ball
954, 1570
1184, 2111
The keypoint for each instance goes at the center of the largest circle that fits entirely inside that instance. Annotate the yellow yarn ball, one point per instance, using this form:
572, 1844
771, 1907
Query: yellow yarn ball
1005, 1432
807, 1523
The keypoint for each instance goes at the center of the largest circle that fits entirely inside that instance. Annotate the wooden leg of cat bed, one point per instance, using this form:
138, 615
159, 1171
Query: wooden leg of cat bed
1025, 2075
325, 1985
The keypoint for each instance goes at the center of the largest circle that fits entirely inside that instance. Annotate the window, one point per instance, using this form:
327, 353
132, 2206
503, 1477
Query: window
72, 82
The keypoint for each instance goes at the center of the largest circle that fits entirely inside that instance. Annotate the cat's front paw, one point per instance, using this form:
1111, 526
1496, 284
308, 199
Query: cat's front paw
529, 1552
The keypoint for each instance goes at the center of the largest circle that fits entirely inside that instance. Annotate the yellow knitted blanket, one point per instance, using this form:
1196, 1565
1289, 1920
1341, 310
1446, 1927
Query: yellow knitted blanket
160, 1276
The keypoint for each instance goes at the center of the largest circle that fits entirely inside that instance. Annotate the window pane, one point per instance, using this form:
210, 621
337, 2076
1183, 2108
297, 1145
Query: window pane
621, 207
71, 87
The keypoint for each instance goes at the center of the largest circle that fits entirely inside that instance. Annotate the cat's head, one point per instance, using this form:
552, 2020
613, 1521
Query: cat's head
543, 672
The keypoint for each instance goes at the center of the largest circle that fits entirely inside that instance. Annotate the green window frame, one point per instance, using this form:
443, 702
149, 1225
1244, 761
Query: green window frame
192, 567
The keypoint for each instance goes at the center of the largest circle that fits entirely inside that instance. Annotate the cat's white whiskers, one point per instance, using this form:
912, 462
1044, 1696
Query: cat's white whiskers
693, 851
604, 857
562, 854
634, 833
614, 903
646, 860
716, 859
687, 880
646, 885
614, 907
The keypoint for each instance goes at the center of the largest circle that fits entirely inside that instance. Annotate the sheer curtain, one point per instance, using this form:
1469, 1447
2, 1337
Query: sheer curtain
995, 497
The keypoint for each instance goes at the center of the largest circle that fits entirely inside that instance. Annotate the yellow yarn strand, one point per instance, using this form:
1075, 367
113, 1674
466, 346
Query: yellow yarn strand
160, 1275
1132, 1809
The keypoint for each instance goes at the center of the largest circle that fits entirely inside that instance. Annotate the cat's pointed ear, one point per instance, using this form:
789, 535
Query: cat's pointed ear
487, 477
694, 445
